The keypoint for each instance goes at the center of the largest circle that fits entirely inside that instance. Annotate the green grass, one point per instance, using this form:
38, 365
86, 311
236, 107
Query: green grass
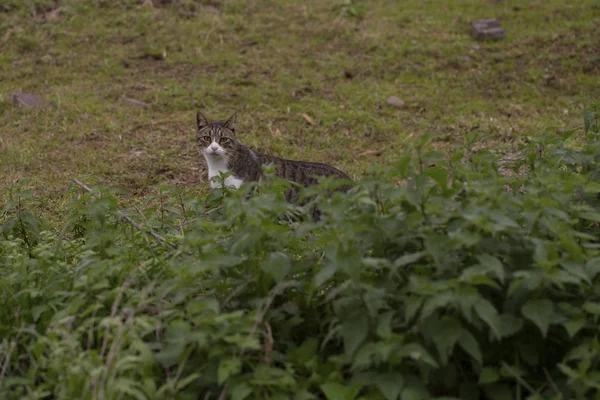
272, 61
454, 283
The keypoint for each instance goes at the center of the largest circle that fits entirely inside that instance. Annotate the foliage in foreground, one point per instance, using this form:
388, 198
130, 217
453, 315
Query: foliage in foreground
432, 278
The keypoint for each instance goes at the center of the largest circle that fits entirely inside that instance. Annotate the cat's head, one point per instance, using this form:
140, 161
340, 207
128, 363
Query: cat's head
216, 138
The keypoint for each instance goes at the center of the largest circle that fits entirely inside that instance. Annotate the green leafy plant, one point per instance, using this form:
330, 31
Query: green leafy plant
434, 277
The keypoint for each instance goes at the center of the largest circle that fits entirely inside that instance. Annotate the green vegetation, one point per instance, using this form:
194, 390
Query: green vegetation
458, 283
464, 264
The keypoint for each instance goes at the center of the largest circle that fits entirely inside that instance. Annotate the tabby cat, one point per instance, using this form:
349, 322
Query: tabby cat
224, 153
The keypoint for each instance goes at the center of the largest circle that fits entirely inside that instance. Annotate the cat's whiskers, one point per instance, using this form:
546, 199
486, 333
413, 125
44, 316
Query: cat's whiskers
226, 155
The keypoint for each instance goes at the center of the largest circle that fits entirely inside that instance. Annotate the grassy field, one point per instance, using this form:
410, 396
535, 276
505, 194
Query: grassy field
455, 283
271, 61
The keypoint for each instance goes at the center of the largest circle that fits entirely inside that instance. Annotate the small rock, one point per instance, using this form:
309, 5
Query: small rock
27, 100
135, 103
211, 10
52, 15
395, 101
47, 59
464, 59
487, 29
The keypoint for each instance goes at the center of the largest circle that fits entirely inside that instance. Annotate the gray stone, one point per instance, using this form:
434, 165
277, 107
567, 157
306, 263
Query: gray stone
135, 103
464, 59
487, 29
47, 59
211, 10
395, 101
27, 100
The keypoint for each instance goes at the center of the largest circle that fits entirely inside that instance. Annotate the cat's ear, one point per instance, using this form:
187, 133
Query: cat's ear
230, 124
201, 120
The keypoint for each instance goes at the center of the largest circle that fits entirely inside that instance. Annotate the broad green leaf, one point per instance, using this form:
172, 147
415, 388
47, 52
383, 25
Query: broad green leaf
187, 380
469, 344
354, 389
570, 372
592, 307
178, 331
448, 331
408, 259
324, 274
579, 353
590, 216
277, 265
592, 267
573, 326
374, 300
354, 331
477, 276
466, 237
488, 375
486, 311
37, 311
170, 354
540, 313
509, 325
201, 305
439, 175
227, 368
440, 300
334, 391
128, 386
267, 375
466, 301
364, 357
384, 325
240, 391
403, 165
571, 245
413, 305
503, 220
243, 341
384, 350
418, 353
390, 385
493, 264
457, 156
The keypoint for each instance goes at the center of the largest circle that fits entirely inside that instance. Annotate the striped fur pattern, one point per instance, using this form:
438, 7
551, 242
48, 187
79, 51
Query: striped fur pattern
224, 153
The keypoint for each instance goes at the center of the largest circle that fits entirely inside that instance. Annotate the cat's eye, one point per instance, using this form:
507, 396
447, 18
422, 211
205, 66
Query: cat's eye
223, 140
206, 138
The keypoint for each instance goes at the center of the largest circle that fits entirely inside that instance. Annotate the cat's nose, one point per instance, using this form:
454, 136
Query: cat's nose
214, 147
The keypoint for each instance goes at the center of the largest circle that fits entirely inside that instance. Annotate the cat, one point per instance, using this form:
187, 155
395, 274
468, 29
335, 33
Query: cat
223, 152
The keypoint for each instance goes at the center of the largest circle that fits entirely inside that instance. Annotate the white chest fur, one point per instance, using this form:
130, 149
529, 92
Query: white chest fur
216, 166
